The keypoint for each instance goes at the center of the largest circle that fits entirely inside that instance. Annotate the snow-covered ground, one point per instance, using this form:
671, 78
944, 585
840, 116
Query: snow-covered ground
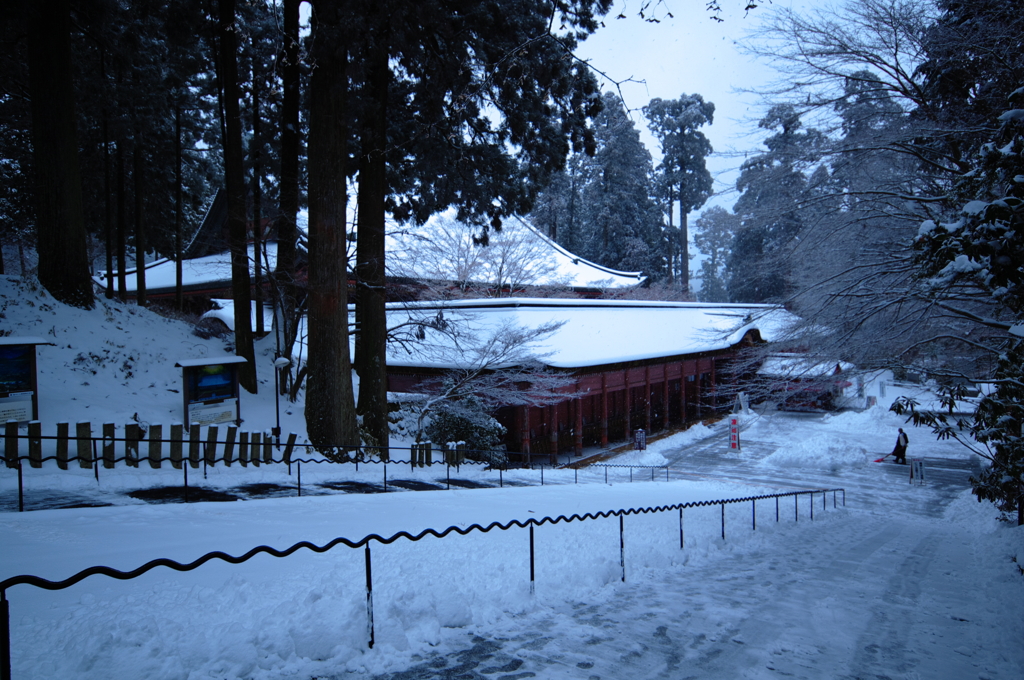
905, 581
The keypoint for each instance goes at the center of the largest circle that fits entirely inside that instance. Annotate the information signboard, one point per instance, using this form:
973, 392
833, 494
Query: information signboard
210, 390
18, 387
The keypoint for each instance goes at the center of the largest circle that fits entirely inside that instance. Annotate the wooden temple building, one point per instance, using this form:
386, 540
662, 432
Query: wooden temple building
632, 364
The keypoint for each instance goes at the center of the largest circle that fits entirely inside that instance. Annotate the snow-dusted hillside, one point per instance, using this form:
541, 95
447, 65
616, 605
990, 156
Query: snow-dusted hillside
115, 362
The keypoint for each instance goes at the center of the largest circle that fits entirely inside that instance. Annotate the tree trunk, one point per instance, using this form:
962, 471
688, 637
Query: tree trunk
287, 231
371, 343
140, 220
234, 186
684, 248
330, 412
257, 208
179, 298
122, 227
108, 190
60, 216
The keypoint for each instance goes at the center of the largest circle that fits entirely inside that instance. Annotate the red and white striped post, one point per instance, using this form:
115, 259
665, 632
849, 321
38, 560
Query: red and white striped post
734, 433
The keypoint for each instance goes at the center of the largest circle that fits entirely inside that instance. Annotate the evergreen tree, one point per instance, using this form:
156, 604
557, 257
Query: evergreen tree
601, 205
61, 242
684, 174
468, 106
772, 185
713, 235
623, 222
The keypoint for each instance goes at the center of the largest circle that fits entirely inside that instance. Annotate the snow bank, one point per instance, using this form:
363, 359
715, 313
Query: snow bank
820, 452
653, 455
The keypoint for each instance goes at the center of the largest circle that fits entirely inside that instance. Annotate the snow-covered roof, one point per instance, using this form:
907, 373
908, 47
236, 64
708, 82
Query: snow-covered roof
24, 340
800, 367
588, 333
197, 272
210, 361
519, 255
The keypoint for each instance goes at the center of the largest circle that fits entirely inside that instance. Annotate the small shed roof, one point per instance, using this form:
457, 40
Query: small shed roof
24, 340
210, 361
801, 367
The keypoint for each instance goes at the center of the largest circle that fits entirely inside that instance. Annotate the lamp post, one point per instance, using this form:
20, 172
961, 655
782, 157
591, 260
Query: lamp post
279, 364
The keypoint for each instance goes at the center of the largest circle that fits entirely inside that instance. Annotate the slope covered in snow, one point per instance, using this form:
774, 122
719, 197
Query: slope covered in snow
905, 581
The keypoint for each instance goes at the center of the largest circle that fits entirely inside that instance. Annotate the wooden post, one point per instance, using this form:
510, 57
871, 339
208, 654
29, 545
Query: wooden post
604, 409
553, 435
428, 453
578, 439
524, 433
664, 397
11, 443
83, 431
243, 448
229, 445
682, 393
289, 447
35, 444
647, 399
156, 445
629, 409
211, 446
132, 435
193, 445
257, 440
268, 448
177, 433
109, 450
62, 445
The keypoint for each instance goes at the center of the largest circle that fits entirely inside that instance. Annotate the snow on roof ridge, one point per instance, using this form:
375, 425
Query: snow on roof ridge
485, 303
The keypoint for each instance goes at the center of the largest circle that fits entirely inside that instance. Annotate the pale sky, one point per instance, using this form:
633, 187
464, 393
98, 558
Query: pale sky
690, 54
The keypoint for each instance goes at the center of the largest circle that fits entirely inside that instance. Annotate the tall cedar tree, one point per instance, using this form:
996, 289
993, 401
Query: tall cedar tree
234, 182
470, 105
684, 174
330, 403
287, 229
61, 241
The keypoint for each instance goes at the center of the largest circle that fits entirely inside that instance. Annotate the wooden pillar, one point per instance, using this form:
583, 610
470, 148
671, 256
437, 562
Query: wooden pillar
647, 399
553, 433
682, 392
604, 409
578, 439
665, 402
714, 387
629, 405
524, 430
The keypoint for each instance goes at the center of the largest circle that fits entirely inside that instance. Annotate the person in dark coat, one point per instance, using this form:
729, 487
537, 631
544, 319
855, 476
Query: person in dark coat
900, 452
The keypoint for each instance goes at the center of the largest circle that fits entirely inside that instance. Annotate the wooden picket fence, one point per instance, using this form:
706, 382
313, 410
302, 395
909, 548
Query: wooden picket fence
183, 447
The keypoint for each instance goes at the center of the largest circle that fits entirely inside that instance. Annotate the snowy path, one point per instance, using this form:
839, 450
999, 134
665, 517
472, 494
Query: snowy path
876, 590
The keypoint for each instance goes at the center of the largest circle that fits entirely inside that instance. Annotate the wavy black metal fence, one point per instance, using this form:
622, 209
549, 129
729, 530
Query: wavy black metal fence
39, 582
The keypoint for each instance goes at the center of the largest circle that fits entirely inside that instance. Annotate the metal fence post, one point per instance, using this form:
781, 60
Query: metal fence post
298, 476
753, 513
369, 597
681, 537
5, 637
532, 573
21, 489
776, 508
622, 548
723, 521
796, 507
811, 504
